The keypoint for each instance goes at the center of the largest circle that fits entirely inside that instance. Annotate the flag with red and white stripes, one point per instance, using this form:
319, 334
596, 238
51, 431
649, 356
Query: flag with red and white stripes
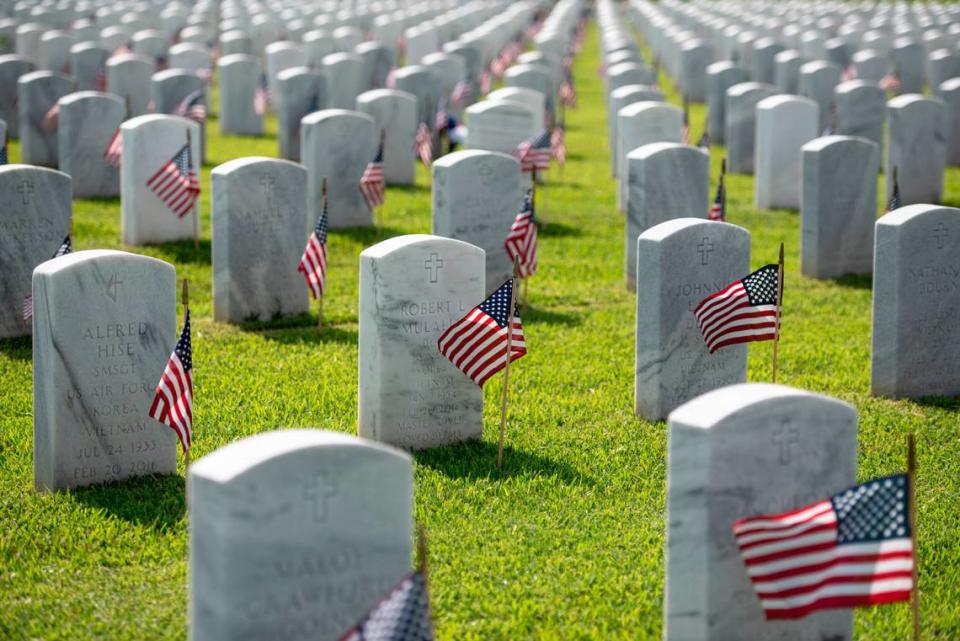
521, 243
65, 248
51, 120
477, 343
313, 263
373, 183
173, 399
423, 144
403, 616
852, 549
192, 107
534, 153
718, 209
744, 311
114, 151
462, 92
558, 145
176, 184
261, 96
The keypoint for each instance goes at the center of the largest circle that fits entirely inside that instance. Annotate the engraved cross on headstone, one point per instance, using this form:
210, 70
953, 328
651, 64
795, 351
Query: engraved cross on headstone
433, 265
940, 233
785, 438
319, 491
267, 182
25, 189
705, 248
113, 286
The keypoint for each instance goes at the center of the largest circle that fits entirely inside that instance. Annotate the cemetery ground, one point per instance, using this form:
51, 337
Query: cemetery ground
567, 540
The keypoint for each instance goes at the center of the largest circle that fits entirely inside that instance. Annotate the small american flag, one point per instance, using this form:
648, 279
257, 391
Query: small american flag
461, 92
486, 83
718, 208
261, 96
890, 82
423, 144
568, 92
372, 183
894, 201
176, 184
402, 616
477, 343
192, 107
100, 81
122, 50
744, 311
173, 399
685, 131
534, 153
441, 120
521, 243
114, 151
51, 120
498, 65
849, 73
313, 263
852, 549
558, 145
65, 248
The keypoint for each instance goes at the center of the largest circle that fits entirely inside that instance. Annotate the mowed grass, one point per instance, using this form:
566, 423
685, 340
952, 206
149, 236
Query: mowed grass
567, 540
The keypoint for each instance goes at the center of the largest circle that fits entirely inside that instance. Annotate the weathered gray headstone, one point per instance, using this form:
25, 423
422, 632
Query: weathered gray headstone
870, 66
740, 128
378, 60
949, 92
128, 76
12, 67
412, 288
735, 452
620, 98
784, 124
476, 197
667, 181
345, 81
642, 123
426, 85
239, 76
104, 325
838, 206
88, 121
683, 261
860, 110
720, 77
908, 59
258, 211
38, 93
395, 114
498, 125
296, 533
818, 80
695, 56
283, 55
916, 303
765, 51
786, 73
300, 91
88, 62
337, 144
149, 142
917, 135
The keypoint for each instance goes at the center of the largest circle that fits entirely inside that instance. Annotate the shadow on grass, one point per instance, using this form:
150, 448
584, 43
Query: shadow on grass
309, 334
478, 460
154, 501
19, 348
411, 189
558, 230
368, 236
184, 251
943, 402
530, 313
855, 281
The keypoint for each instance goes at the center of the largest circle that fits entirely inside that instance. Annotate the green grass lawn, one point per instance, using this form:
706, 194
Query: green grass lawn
567, 541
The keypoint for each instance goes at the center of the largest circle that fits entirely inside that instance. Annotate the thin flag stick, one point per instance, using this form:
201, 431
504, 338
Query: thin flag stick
563, 119
776, 335
912, 492
506, 367
185, 298
377, 210
196, 205
323, 206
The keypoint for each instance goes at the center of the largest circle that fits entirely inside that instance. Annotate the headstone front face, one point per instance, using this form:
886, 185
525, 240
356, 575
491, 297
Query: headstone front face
498, 125
239, 75
860, 110
917, 137
949, 93
35, 219
149, 142
818, 80
38, 92
300, 91
529, 98
476, 197
12, 67
683, 261
104, 327
258, 214
378, 60
639, 124
295, 534
784, 125
838, 207
741, 114
426, 85
695, 56
345, 81
916, 303
88, 120
395, 114
869, 65
128, 76
412, 288
667, 181
623, 97
736, 452
337, 144
88, 63
786, 71
720, 77
908, 59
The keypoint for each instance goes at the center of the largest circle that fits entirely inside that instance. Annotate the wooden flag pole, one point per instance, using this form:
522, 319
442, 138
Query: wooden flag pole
776, 335
506, 367
186, 311
912, 516
323, 205
196, 206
